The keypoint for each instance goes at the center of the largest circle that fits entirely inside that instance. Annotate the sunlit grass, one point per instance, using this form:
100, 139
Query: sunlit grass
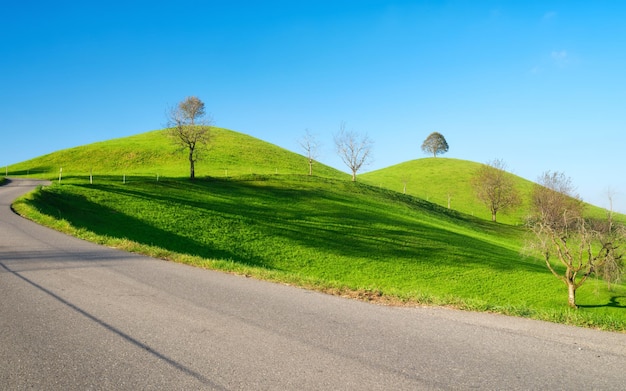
152, 154
447, 182
327, 234
254, 211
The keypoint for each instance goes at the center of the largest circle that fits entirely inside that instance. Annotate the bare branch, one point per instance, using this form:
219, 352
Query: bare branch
189, 129
354, 149
495, 187
311, 146
561, 229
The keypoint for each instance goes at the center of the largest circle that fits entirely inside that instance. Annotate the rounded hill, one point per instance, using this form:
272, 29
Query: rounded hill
271, 220
445, 182
153, 153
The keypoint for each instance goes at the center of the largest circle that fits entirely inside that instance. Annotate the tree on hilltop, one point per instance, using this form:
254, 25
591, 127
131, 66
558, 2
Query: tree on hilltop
354, 149
495, 187
189, 129
435, 143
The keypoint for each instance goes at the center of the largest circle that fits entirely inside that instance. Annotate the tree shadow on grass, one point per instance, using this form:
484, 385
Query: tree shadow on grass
614, 302
81, 213
321, 219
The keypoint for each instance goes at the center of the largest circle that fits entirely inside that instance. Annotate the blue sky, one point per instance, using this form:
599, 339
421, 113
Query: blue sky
540, 85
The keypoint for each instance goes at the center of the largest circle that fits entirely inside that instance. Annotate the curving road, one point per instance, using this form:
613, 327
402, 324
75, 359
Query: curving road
76, 316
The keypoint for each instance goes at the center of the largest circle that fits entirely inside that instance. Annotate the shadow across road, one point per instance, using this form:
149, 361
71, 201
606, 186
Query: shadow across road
118, 332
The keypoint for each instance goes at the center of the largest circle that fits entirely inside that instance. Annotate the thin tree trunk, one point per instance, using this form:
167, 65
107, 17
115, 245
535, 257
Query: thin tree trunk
571, 295
192, 169
353, 176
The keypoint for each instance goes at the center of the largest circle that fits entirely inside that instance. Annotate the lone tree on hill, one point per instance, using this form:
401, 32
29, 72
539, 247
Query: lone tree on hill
495, 187
189, 129
354, 149
310, 145
435, 143
582, 246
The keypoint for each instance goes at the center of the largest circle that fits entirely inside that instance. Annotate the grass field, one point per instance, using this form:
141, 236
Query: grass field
321, 232
151, 154
447, 182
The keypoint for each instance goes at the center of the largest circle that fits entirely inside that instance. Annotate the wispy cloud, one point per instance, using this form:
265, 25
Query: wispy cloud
549, 15
495, 13
560, 57
557, 59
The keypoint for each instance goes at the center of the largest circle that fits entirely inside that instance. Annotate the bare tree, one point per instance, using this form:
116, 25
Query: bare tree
435, 143
555, 201
495, 187
406, 178
354, 149
612, 270
582, 246
189, 129
310, 145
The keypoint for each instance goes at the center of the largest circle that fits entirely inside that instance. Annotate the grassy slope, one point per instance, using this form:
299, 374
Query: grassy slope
440, 179
329, 234
322, 232
436, 179
152, 153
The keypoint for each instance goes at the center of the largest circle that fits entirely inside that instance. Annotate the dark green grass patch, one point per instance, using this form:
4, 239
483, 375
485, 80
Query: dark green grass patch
326, 234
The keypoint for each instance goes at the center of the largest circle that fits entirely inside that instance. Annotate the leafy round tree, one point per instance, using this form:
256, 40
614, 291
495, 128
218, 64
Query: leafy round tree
435, 143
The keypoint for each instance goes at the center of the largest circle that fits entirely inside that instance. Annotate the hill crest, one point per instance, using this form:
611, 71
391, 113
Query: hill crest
442, 181
152, 153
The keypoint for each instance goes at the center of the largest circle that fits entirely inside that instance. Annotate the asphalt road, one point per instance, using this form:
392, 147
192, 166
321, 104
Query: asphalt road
77, 316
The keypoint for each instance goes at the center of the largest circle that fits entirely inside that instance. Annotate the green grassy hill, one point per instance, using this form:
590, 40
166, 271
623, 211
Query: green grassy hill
270, 220
152, 153
447, 182
442, 180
